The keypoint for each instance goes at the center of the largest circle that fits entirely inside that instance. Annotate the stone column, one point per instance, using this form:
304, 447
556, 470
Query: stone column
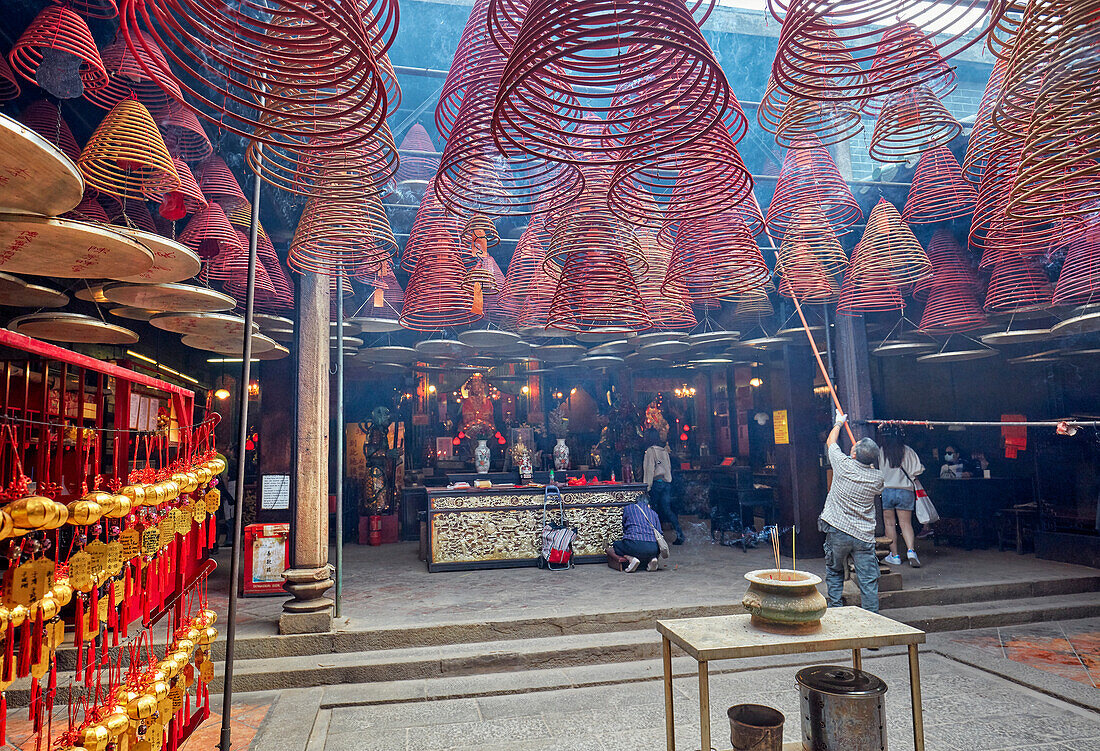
310, 575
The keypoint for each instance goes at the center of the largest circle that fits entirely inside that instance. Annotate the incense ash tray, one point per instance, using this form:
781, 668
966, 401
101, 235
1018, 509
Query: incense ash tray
784, 601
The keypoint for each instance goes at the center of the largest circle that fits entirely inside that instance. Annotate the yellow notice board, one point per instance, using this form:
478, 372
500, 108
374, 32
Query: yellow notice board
779, 422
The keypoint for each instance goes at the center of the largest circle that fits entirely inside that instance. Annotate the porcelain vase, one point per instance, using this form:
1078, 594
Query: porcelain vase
561, 455
482, 454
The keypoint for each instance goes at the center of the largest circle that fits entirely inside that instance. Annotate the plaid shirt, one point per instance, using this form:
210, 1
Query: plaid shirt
850, 505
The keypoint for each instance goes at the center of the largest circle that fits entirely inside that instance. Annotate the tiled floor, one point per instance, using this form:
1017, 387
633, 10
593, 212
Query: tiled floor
1070, 649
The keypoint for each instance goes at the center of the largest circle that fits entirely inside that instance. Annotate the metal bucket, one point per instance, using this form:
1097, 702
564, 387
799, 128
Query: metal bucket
843, 709
754, 727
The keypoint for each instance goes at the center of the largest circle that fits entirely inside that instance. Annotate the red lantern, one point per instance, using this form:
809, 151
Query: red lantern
455, 441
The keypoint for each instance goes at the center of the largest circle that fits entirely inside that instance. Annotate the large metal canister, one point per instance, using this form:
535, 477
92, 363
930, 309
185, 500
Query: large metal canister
843, 709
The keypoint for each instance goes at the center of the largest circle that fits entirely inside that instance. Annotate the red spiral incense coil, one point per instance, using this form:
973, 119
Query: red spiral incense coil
871, 292
910, 122
126, 78
416, 170
282, 296
219, 184
385, 293
648, 53
666, 300
715, 258
44, 118
951, 266
478, 234
809, 176
9, 84
58, 30
939, 192
186, 199
342, 236
597, 291
483, 278
1003, 34
88, 210
434, 296
242, 60
982, 135
210, 234
535, 311
803, 275
942, 34
429, 214
952, 309
752, 305
1018, 285
184, 136
101, 9
908, 57
1030, 62
473, 48
890, 249
811, 233
588, 222
231, 268
524, 266
128, 213
1079, 280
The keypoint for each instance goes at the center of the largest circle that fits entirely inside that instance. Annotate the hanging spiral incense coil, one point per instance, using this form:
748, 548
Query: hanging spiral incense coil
952, 309
434, 296
44, 118
219, 184
911, 122
473, 47
479, 234
88, 210
889, 247
231, 268
982, 135
597, 290
1018, 285
1003, 34
184, 136
483, 278
101, 9
867, 293
952, 292
128, 213
127, 78
9, 84
126, 155
210, 234
665, 300
809, 176
58, 30
939, 192
951, 266
906, 54
430, 213
947, 32
522, 269
1079, 280
803, 275
237, 56
341, 237
715, 258
753, 304
386, 296
185, 199
416, 169
1034, 45
240, 217
535, 312
638, 66
810, 231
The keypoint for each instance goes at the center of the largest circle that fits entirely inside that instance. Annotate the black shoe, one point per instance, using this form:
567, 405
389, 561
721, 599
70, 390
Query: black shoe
678, 541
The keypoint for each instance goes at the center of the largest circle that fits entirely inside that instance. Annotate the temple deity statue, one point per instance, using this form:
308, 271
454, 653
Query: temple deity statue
477, 409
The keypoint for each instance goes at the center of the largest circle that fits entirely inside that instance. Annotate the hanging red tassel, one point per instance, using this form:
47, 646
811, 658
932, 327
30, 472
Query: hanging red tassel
104, 655
3, 719
35, 689
88, 670
145, 595
112, 613
212, 531
53, 680
93, 604
24, 667
78, 639
36, 640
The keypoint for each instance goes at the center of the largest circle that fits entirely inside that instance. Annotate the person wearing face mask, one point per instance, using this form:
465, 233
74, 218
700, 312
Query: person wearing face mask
953, 467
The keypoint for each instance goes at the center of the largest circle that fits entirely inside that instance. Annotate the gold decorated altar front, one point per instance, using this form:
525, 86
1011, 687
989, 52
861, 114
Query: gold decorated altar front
501, 527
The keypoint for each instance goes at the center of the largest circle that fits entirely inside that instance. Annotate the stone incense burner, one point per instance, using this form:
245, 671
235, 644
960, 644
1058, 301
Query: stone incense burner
784, 601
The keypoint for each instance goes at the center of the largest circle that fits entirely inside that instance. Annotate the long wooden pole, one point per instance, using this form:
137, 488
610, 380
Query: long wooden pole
821, 366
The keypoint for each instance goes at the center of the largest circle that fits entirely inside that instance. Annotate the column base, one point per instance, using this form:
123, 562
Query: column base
306, 623
310, 611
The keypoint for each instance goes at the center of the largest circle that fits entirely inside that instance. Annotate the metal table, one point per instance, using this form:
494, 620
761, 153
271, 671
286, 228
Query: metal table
727, 637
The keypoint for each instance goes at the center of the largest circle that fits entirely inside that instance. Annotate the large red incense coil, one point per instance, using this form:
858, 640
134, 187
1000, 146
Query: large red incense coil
88, 210
588, 222
535, 310
184, 136
210, 234
947, 31
9, 84
802, 274
1018, 285
753, 304
44, 118
219, 184
183, 200
1028, 65
429, 214
126, 155
809, 176
984, 132
526, 261
101, 9
952, 309
871, 292
483, 278
951, 266
906, 53
127, 78
478, 234
889, 248
665, 300
939, 192
240, 217
469, 55
385, 295
810, 231
715, 258
128, 213
597, 290
1003, 34
239, 58
60, 31
646, 51
1079, 280
911, 122
1059, 169
434, 297
342, 236
750, 213
416, 169
231, 268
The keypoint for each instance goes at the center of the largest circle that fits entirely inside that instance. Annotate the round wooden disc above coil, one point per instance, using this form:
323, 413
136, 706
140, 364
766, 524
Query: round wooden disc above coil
443, 348
388, 368
548, 332
267, 321
1085, 321
278, 352
229, 345
1020, 336
214, 325
766, 342
601, 361
134, 314
67, 248
723, 338
350, 328
375, 324
959, 355
350, 342
558, 352
171, 298
35, 177
899, 348
91, 293
17, 293
389, 354
709, 362
280, 335
489, 338
664, 347
172, 262
600, 335
71, 327
616, 347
